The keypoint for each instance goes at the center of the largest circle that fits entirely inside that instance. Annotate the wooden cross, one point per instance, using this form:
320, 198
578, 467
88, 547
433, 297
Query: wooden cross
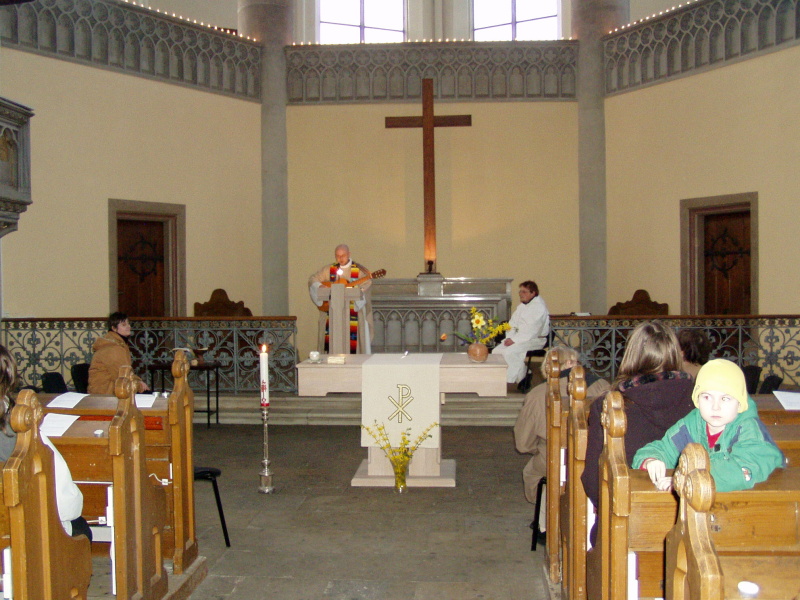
428, 121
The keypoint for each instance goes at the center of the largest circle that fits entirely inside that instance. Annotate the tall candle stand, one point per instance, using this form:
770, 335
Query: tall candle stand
266, 486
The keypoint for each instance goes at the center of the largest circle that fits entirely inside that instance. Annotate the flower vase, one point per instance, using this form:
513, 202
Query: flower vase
477, 352
400, 475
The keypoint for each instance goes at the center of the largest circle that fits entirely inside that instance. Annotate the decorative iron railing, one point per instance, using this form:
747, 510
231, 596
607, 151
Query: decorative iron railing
769, 341
42, 345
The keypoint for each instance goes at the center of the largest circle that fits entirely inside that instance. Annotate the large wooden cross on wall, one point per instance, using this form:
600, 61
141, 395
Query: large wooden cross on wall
428, 121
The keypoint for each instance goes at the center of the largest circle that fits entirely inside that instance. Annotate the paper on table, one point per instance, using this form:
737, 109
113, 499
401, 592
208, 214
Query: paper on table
54, 425
68, 400
790, 400
145, 400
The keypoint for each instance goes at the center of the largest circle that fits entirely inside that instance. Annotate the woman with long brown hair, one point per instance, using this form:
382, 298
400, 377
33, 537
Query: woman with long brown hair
657, 393
69, 498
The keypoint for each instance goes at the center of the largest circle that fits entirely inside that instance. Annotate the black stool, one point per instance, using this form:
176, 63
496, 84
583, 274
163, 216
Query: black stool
537, 508
211, 474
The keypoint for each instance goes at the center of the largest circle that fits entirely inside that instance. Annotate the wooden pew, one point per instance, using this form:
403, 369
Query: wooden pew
556, 443
695, 570
168, 441
634, 516
46, 563
771, 411
573, 510
181, 409
117, 455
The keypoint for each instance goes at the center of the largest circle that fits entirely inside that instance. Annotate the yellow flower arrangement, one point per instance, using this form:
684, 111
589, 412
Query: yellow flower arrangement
401, 454
483, 329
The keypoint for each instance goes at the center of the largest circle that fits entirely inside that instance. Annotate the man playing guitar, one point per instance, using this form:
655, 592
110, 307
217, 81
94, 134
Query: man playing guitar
352, 274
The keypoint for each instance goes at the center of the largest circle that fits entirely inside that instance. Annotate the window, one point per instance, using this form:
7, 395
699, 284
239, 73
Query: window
498, 20
354, 21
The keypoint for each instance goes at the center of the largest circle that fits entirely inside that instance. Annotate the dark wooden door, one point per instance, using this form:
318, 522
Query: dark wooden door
140, 268
726, 253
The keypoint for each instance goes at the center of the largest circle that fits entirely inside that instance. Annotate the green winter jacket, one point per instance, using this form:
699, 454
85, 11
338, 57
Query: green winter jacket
745, 443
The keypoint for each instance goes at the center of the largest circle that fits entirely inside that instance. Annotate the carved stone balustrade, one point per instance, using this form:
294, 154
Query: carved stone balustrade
414, 314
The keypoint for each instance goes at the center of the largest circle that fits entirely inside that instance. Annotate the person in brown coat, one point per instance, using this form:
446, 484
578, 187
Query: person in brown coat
110, 353
530, 430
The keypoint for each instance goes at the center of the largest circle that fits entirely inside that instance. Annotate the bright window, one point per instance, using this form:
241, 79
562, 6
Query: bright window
354, 21
503, 20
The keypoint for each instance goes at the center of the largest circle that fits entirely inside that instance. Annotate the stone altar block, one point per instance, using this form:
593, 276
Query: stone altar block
457, 375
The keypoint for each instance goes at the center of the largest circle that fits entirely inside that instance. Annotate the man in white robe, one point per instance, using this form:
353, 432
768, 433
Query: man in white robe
530, 326
345, 268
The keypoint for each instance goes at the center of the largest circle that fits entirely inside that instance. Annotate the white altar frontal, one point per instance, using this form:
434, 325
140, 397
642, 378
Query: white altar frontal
401, 393
398, 395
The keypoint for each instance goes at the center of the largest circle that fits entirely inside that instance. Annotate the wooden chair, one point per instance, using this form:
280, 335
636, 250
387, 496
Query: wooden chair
219, 305
695, 571
639, 305
46, 562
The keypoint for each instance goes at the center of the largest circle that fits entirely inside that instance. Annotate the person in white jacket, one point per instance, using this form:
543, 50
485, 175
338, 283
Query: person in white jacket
69, 498
530, 326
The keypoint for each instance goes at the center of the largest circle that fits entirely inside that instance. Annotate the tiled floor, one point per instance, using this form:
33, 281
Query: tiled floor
319, 538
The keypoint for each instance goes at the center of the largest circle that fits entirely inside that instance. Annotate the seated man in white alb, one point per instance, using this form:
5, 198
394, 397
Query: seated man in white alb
530, 326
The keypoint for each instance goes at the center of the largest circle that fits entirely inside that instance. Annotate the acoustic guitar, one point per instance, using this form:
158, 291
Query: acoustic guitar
374, 275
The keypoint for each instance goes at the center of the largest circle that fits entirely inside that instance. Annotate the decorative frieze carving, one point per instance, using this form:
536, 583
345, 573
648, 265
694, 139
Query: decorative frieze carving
696, 37
125, 37
15, 163
461, 71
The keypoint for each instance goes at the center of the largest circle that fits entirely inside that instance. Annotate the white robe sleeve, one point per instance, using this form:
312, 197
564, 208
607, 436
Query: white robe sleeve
68, 497
312, 291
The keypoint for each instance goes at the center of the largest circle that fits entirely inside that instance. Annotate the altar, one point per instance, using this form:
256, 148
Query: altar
404, 393
457, 375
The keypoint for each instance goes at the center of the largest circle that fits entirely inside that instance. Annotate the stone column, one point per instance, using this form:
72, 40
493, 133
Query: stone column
591, 20
271, 22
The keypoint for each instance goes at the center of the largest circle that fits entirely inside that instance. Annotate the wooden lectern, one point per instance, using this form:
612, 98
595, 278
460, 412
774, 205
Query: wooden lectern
339, 297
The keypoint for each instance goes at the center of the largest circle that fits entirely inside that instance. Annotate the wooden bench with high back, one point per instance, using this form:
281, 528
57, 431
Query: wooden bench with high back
573, 505
635, 517
103, 453
181, 408
694, 569
46, 562
556, 442
168, 441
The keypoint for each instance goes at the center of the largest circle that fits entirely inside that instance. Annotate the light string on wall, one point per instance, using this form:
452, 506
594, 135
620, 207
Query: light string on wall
653, 16
165, 13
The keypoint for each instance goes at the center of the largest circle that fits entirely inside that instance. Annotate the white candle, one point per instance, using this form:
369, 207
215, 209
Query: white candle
264, 362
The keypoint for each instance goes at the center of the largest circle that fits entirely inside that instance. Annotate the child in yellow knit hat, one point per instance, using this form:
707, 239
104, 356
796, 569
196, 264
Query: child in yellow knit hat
726, 422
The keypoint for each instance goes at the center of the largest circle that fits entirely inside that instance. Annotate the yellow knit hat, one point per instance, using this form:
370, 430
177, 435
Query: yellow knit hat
720, 375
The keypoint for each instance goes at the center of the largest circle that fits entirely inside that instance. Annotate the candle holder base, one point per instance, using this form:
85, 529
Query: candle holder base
266, 486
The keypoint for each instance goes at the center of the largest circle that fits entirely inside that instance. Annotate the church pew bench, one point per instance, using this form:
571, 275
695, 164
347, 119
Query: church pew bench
556, 445
46, 562
695, 571
771, 411
168, 441
574, 503
635, 517
105, 455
